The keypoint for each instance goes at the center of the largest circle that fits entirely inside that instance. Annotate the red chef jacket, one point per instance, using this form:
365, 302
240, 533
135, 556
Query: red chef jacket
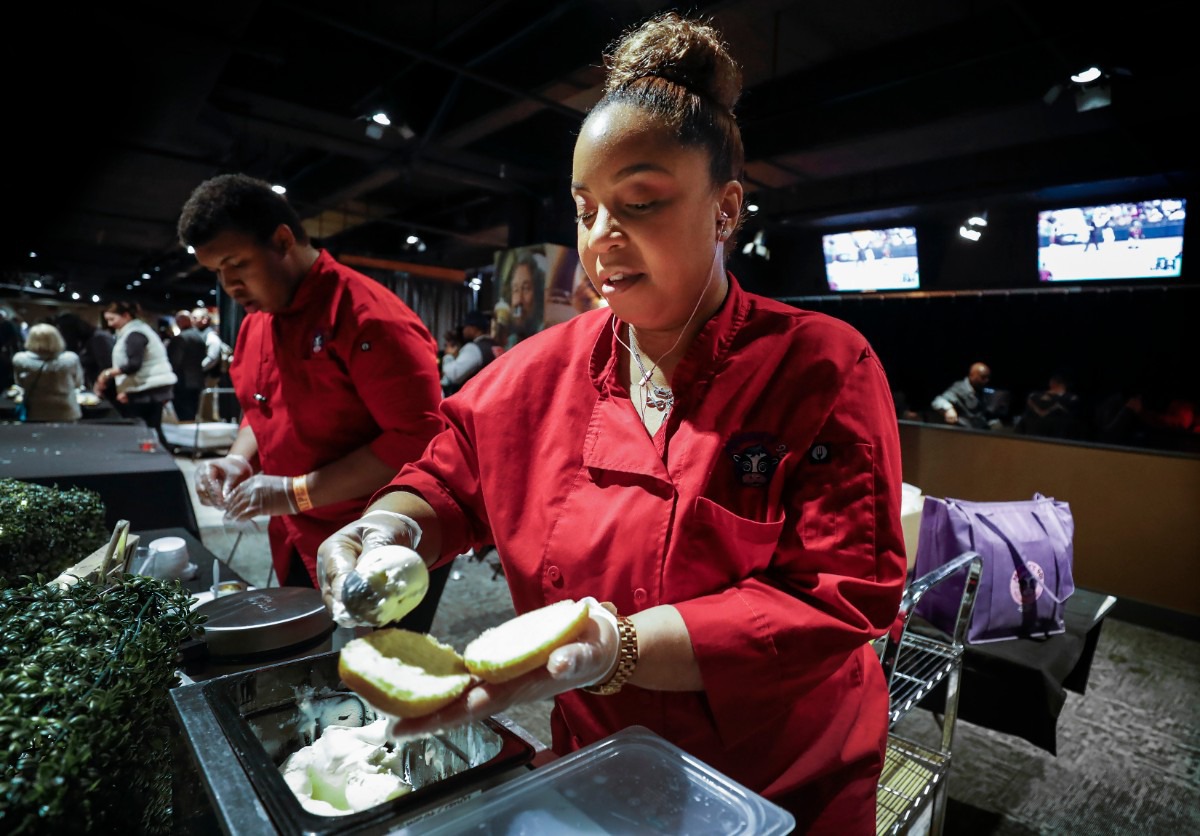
769, 517
345, 364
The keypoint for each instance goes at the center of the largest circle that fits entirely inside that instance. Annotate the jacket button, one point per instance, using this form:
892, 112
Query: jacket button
553, 574
639, 596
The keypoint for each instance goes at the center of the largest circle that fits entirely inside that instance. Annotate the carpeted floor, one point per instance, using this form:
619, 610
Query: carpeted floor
1128, 760
1128, 751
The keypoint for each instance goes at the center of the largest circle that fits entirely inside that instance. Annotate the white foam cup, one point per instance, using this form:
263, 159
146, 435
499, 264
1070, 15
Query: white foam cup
168, 558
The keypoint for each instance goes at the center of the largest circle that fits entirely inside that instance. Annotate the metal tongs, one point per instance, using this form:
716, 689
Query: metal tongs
360, 598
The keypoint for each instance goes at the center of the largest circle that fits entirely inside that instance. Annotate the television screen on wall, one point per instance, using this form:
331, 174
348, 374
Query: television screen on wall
866, 260
1112, 241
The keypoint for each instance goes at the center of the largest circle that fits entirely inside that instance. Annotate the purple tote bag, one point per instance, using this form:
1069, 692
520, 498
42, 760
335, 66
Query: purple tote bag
1027, 549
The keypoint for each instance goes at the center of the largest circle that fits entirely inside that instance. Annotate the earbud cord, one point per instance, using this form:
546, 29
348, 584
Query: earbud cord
696, 307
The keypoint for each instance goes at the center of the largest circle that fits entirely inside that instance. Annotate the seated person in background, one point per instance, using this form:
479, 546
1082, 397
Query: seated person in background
476, 352
452, 342
1054, 412
963, 403
50, 375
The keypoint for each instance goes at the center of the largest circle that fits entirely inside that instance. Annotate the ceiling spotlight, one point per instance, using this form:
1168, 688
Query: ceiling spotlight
278, 189
1087, 76
145, 275
381, 118
412, 239
751, 208
757, 248
95, 297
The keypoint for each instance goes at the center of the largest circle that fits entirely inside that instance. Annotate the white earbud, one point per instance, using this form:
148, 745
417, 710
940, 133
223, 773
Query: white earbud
723, 227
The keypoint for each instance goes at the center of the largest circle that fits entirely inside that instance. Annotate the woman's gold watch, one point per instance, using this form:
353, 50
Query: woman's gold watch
627, 659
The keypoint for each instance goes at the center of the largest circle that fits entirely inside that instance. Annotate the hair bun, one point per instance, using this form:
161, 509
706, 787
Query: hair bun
687, 52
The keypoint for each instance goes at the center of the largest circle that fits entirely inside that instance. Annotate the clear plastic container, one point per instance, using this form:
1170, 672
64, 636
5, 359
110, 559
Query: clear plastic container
633, 783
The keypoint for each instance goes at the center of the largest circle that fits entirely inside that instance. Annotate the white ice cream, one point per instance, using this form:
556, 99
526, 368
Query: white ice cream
346, 770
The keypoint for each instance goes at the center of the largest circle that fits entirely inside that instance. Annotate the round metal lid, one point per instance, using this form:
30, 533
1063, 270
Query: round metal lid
263, 620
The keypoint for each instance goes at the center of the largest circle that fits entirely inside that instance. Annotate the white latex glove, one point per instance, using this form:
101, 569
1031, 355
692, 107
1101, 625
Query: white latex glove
215, 479
590, 659
341, 551
260, 495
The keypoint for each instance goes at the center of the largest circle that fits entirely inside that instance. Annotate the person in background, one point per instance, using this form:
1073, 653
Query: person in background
140, 379
186, 351
93, 345
476, 351
215, 366
963, 403
10, 343
720, 470
1055, 412
50, 374
337, 378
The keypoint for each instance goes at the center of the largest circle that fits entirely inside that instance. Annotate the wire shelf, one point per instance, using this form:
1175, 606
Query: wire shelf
921, 665
910, 774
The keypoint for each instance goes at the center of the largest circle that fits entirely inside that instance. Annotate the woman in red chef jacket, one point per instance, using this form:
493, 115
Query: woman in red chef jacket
721, 469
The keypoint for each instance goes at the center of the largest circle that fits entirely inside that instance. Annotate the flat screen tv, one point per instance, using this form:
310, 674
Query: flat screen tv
868, 260
1112, 241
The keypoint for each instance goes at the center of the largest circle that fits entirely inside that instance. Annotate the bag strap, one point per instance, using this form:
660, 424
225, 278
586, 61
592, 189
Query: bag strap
33, 385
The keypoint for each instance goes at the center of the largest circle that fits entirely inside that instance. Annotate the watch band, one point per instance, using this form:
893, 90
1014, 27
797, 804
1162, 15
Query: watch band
627, 659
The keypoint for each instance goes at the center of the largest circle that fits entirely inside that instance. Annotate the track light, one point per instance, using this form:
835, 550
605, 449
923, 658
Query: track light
757, 248
973, 228
1091, 86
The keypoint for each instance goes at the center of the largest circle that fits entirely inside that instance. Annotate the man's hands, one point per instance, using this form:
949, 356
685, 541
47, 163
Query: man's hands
340, 553
261, 494
216, 479
591, 658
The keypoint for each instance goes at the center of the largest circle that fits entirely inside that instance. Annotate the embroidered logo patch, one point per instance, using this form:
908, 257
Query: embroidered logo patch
755, 458
820, 453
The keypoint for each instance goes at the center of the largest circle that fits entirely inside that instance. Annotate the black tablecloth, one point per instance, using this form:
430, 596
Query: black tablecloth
1019, 686
146, 488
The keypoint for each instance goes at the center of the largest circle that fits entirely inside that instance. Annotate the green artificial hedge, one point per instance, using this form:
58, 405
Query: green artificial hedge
85, 715
44, 530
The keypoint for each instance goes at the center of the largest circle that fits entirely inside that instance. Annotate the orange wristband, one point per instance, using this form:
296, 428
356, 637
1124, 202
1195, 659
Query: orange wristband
300, 489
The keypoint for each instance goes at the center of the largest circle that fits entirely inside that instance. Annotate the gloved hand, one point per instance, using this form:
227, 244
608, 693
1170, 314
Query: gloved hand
216, 478
261, 494
589, 659
341, 551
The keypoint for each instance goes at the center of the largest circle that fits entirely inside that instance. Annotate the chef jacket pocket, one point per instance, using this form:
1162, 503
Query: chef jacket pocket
726, 548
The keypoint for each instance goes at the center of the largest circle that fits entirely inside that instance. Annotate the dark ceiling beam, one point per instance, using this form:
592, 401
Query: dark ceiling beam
429, 58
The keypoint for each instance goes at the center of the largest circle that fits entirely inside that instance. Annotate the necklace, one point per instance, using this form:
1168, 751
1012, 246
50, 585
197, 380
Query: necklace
657, 397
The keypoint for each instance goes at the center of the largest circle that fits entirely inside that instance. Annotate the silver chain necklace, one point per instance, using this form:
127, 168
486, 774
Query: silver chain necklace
658, 397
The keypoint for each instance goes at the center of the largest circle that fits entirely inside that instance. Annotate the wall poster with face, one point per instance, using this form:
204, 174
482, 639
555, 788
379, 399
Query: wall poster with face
537, 286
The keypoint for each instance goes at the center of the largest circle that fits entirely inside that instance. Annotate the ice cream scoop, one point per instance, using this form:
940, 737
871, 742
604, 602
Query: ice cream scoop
387, 584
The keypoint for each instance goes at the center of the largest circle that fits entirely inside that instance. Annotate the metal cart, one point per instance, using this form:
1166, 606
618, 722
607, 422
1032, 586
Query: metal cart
200, 436
912, 788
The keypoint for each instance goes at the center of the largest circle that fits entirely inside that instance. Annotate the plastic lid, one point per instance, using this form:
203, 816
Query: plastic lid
631, 782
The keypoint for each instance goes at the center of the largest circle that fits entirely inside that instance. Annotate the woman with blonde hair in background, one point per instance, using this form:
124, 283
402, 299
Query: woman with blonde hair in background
50, 375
